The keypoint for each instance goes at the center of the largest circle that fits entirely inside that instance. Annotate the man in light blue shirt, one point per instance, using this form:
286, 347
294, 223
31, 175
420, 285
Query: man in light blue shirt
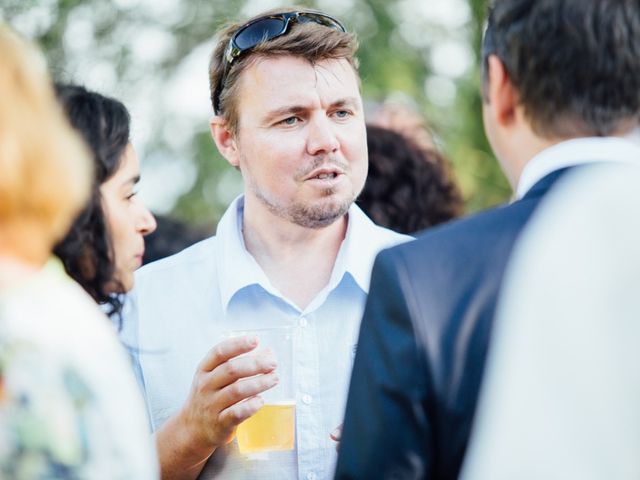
293, 250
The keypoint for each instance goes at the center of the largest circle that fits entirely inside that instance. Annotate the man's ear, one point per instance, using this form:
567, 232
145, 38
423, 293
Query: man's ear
225, 140
503, 97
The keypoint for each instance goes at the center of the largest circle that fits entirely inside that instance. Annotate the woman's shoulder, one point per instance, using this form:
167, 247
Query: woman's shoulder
68, 400
51, 309
53, 419
44, 408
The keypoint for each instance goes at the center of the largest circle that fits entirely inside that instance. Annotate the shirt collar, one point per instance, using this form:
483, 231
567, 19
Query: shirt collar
238, 269
236, 266
575, 152
361, 244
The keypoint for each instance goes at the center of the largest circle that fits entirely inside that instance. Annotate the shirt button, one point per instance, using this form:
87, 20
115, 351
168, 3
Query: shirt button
307, 399
304, 322
311, 476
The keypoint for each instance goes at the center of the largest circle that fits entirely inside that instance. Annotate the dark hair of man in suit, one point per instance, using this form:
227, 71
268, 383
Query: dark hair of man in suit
589, 87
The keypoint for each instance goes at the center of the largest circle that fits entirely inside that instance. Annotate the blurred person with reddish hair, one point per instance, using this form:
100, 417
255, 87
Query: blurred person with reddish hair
69, 406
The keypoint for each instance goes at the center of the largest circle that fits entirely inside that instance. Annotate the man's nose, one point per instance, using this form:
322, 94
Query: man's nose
322, 137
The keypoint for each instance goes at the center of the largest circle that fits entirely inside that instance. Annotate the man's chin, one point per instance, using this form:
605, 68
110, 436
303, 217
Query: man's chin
320, 215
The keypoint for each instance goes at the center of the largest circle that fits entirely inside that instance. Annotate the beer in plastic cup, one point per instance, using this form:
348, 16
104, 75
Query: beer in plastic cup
273, 427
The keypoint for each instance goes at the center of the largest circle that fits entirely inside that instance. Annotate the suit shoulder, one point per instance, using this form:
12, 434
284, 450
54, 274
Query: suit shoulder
469, 247
483, 229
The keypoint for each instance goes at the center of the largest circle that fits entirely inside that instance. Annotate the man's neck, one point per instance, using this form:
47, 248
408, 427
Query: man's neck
297, 260
523, 145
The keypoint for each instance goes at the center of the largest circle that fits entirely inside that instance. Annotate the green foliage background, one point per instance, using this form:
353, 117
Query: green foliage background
389, 64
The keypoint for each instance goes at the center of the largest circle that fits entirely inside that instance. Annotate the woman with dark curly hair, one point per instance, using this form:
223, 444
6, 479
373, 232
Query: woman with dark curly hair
105, 244
409, 186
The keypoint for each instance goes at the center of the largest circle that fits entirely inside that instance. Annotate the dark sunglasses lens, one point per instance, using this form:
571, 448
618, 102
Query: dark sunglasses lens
320, 19
259, 31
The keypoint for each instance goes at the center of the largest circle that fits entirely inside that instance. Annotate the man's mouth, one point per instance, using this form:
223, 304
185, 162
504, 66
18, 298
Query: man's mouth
325, 176
325, 173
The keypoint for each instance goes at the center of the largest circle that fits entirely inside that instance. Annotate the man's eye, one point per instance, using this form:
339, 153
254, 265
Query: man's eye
131, 195
342, 113
289, 121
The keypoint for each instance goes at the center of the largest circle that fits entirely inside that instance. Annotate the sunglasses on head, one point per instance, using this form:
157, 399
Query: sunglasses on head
264, 29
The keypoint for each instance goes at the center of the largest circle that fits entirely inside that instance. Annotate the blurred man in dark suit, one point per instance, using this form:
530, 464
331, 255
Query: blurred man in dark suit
561, 87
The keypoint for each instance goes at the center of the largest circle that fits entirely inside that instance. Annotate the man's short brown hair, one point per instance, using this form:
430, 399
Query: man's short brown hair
310, 41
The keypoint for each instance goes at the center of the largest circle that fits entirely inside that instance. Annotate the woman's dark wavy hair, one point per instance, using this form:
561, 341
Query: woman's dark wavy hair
87, 251
409, 187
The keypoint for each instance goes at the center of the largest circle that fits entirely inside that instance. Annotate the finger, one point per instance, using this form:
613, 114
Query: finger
237, 413
226, 350
336, 434
241, 367
245, 388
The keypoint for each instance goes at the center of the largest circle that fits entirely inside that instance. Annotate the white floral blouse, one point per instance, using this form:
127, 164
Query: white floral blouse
69, 404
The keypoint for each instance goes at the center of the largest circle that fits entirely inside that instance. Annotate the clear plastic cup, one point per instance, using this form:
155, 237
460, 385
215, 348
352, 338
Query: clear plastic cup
272, 428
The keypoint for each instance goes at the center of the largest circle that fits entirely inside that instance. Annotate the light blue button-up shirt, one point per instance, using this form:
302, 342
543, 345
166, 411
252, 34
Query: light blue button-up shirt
182, 306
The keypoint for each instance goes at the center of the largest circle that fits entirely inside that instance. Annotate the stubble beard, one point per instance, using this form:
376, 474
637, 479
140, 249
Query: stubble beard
307, 215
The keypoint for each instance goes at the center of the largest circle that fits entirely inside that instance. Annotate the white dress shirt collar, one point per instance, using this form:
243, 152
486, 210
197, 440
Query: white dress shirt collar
575, 152
238, 269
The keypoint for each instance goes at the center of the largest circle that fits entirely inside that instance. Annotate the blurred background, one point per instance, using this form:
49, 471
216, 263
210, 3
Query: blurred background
153, 55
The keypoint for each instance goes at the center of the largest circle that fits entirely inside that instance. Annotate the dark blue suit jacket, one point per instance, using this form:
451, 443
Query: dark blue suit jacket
423, 344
